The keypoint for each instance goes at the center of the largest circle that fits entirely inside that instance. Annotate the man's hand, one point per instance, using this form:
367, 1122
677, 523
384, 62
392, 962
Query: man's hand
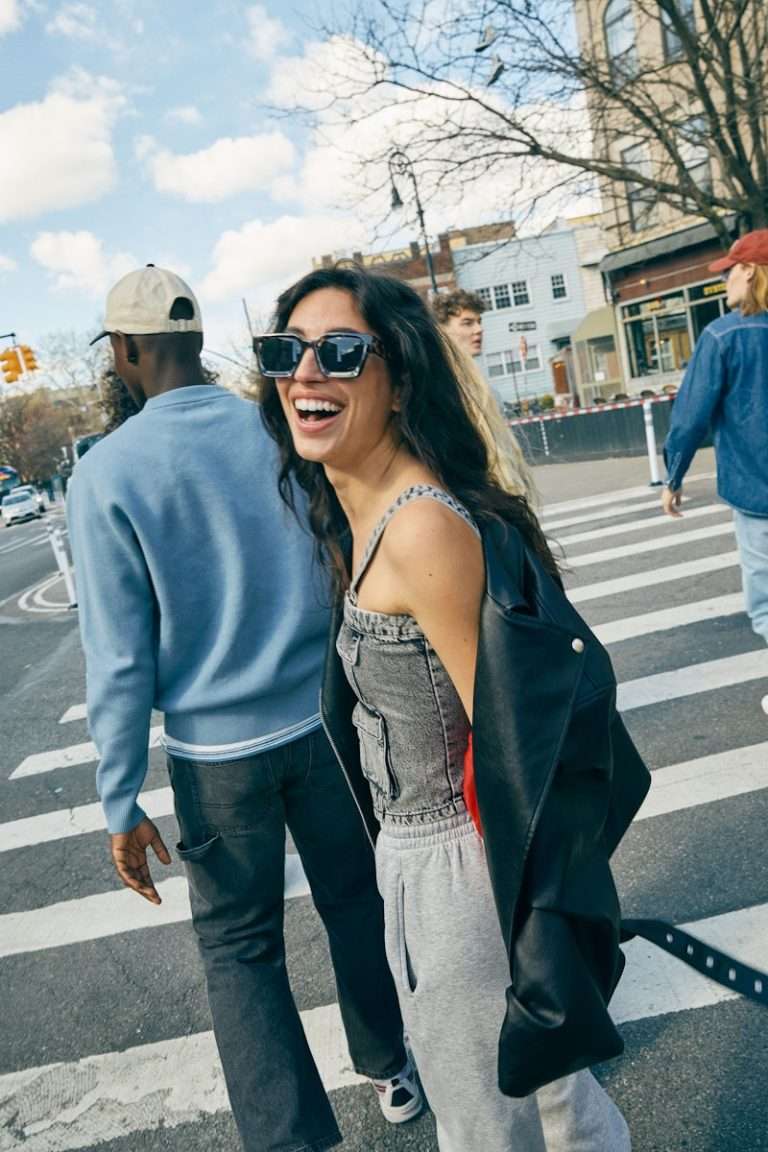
129, 853
670, 501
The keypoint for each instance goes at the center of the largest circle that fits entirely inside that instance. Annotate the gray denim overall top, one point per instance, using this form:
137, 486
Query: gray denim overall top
411, 724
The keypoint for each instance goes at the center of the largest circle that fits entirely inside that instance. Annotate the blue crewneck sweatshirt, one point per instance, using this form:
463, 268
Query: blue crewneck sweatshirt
198, 591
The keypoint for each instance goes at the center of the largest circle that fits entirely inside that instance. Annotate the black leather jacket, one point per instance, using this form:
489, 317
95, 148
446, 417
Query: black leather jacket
558, 782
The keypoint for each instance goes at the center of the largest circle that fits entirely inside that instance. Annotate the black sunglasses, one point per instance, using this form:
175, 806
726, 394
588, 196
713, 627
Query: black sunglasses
339, 354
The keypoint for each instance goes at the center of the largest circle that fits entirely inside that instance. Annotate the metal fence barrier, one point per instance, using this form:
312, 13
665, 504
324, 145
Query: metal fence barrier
618, 429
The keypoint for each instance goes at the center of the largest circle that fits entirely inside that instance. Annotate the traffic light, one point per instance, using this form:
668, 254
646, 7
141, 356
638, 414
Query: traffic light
11, 365
28, 358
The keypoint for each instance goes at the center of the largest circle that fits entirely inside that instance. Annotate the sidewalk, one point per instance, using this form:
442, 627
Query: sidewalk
559, 482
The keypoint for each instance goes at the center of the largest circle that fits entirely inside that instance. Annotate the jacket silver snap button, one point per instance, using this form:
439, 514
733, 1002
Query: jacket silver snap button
577, 645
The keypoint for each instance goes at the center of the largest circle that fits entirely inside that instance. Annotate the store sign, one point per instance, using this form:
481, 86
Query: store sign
716, 289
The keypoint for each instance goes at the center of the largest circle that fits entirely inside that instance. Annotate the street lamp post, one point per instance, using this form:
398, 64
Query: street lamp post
401, 165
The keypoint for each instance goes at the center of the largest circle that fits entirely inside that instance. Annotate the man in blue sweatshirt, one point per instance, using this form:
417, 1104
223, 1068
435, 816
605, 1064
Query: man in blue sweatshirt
199, 596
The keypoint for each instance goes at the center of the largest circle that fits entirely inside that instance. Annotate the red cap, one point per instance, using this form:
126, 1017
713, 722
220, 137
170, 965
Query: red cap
749, 249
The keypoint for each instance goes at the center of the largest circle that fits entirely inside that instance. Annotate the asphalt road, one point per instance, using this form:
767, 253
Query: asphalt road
119, 1008
25, 554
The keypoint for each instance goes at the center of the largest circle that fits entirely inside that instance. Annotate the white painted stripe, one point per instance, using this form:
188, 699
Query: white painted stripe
639, 547
666, 619
618, 495
657, 984
655, 523
693, 679
702, 781
69, 757
76, 712
67, 1106
66, 822
664, 575
62, 1107
675, 787
603, 514
110, 913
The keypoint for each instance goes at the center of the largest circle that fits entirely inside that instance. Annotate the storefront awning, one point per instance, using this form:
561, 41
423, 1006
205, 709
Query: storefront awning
596, 325
663, 246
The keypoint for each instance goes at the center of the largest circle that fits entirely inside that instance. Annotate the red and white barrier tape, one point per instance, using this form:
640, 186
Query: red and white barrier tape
588, 411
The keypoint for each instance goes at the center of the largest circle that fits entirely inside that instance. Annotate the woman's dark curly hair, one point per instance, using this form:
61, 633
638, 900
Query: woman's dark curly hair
434, 421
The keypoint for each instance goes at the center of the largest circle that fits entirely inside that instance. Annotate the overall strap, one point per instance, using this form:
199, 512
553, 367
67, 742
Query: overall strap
415, 492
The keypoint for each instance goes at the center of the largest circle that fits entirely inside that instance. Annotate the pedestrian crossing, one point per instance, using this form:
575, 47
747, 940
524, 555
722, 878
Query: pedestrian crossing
710, 666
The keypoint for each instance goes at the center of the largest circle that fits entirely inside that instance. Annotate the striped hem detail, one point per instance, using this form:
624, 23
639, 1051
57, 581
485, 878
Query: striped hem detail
241, 748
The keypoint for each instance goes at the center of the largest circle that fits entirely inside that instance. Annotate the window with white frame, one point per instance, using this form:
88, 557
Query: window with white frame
509, 362
641, 199
485, 296
520, 293
501, 295
495, 366
694, 151
559, 286
619, 25
673, 44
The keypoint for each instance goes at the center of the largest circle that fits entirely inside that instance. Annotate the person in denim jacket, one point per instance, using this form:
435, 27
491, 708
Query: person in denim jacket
726, 389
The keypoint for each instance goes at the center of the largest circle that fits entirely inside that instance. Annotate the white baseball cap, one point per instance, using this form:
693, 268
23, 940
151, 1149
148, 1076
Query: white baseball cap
151, 300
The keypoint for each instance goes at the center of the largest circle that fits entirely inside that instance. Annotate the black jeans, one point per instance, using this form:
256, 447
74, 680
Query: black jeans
232, 818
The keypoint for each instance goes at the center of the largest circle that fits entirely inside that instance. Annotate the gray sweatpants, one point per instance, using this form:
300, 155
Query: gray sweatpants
448, 959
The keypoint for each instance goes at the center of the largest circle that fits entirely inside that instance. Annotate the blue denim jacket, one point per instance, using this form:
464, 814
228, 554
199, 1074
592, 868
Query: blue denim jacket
726, 389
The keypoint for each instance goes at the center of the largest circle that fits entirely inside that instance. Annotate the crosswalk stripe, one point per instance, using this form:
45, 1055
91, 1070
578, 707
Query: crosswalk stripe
76, 712
618, 495
75, 754
62, 1107
675, 787
665, 619
111, 913
640, 547
66, 822
657, 523
693, 679
702, 781
66, 1106
667, 574
602, 514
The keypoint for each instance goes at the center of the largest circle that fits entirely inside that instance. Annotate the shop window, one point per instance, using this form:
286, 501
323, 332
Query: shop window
501, 295
520, 293
641, 200
485, 296
559, 286
619, 24
673, 45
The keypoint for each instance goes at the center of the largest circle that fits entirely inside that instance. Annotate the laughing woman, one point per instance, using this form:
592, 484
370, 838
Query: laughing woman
364, 400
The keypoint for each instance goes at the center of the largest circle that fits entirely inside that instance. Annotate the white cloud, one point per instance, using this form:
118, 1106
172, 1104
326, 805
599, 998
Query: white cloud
265, 33
227, 168
76, 21
77, 262
184, 114
7, 263
61, 147
262, 258
10, 16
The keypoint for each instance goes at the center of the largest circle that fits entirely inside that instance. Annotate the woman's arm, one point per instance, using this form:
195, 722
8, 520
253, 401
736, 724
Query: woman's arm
437, 561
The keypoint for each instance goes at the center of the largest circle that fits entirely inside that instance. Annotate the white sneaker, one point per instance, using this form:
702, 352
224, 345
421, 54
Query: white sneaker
400, 1098
764, 703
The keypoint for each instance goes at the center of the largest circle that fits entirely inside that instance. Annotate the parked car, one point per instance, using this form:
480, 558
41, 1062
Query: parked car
38, 495
19, 506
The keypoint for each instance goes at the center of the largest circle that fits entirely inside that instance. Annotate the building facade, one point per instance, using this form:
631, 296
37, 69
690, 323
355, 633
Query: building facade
536, 292
656, 270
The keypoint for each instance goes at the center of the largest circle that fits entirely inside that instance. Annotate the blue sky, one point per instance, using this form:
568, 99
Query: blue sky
136, 131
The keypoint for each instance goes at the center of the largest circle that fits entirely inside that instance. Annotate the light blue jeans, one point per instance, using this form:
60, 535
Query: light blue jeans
752, 536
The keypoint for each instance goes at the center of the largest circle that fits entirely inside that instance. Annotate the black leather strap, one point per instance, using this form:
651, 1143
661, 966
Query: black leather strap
716, 965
